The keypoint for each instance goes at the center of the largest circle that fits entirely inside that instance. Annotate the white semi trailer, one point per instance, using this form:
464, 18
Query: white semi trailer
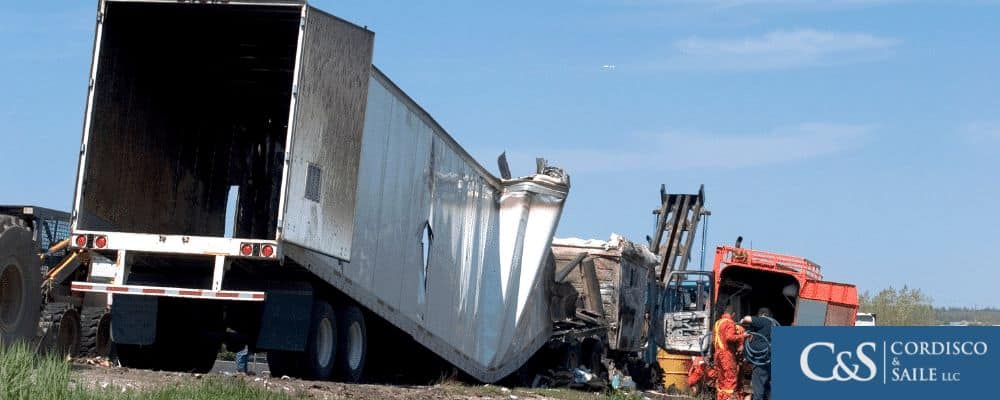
255, 178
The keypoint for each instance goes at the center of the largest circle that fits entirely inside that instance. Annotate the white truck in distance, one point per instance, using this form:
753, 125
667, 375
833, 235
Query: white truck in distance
864, 319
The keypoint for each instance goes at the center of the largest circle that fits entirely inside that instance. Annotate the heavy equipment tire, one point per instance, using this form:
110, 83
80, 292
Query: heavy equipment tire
20, 282
318, 359
95, 332
352, 343
61, 327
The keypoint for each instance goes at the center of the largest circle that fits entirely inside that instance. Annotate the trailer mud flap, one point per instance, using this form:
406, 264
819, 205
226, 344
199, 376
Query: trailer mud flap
133, 319
285, 320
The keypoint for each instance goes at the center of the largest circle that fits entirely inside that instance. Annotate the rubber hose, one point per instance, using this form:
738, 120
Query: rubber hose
757, 357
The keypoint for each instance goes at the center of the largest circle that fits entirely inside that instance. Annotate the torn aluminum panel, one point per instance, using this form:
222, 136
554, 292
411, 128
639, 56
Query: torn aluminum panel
442, 249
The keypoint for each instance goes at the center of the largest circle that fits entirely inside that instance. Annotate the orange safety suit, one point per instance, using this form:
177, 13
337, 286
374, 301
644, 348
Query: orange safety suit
727, 338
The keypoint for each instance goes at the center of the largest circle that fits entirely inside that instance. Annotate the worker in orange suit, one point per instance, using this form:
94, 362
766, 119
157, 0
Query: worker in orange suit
727, 339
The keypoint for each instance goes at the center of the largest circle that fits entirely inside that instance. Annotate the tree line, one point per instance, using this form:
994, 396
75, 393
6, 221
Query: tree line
910, 306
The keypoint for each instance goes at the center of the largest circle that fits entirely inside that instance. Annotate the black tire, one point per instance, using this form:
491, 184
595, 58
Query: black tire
20, 282
197, 355
61, 327
352, 344
135, 356
593, 355
189, 336
321, 349
95, 332
318, 360
284, 363
187, 339
572, 356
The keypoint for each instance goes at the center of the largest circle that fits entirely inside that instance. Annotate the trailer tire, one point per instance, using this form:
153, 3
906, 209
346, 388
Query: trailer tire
188, 336
95, 332
284, 363
135, 356
318, 359
20, 280
352, 344
61, 327
195, 355
321, 346
572, 356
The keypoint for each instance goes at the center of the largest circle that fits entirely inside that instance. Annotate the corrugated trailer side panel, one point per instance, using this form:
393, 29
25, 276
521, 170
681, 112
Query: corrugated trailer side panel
329, 97
473, 302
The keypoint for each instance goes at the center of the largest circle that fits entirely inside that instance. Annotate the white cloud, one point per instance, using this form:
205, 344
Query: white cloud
775, 50
676, 150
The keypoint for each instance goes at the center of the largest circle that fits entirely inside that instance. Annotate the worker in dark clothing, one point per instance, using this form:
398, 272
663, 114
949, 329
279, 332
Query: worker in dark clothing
758, 350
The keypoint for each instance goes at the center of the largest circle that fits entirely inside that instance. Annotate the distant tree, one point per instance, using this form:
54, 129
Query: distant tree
971, 316
899, 307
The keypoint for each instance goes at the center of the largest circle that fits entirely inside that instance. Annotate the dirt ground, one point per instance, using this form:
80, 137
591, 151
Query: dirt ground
103, 376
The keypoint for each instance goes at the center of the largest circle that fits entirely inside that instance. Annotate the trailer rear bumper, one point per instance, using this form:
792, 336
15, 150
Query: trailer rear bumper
176, 244
186, 293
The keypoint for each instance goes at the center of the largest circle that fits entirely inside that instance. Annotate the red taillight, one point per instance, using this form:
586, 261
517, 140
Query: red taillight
81, 241
101, 242
246, 249
267, 250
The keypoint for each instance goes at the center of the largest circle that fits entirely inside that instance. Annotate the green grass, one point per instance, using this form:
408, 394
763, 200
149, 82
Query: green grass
26, 376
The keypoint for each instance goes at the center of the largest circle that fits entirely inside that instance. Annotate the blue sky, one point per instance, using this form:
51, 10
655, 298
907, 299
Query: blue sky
861, 134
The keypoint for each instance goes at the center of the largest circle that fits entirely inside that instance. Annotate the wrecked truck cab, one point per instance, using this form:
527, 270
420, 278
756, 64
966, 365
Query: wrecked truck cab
687, 312
791, 287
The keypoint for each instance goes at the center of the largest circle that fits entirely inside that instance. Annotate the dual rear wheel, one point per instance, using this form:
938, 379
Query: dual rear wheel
336, 347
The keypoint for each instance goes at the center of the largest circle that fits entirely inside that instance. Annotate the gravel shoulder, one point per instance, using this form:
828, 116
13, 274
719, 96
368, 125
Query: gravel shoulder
103, 376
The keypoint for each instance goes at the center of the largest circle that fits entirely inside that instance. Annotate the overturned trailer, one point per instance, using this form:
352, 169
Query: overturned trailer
257, 181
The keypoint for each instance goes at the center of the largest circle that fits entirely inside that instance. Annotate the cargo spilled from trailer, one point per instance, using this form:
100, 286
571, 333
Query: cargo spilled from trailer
351, 202
623, 271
